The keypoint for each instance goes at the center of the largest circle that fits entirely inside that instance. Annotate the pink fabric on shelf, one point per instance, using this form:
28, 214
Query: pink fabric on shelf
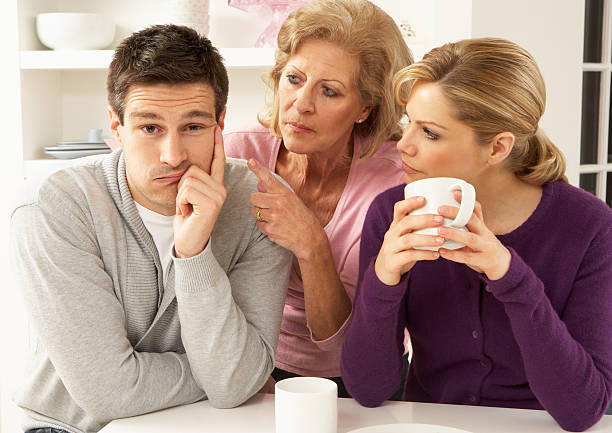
276, 11
297, 350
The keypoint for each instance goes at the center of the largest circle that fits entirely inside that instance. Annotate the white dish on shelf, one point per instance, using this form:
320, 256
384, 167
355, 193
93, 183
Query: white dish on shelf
74, 31
70, 143
74, 145
73, 148
408, 428
73, 153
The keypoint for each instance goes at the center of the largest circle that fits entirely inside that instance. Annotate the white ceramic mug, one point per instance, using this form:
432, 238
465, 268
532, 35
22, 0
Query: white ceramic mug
306, 405
440, 191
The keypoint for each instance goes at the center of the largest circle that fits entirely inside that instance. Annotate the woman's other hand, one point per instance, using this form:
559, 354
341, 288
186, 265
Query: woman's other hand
483, 252
283, 216
397, 254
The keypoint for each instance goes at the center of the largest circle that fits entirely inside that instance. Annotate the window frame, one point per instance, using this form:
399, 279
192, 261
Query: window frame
603, 168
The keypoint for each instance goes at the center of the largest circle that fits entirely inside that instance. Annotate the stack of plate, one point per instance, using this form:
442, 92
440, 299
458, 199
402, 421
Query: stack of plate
76, 149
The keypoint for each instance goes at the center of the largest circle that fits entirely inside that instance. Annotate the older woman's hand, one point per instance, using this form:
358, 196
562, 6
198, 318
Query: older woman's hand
483, 252
282, 216
397, 254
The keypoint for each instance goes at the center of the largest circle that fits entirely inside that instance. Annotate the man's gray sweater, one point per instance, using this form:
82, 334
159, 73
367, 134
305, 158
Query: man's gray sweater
113, 342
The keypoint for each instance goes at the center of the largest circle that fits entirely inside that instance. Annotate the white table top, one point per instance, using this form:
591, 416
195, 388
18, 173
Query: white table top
257, 416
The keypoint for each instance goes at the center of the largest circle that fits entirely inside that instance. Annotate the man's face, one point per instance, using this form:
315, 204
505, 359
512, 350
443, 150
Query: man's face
166, 128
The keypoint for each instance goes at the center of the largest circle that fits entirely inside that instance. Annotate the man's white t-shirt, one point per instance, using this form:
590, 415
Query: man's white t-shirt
160, 227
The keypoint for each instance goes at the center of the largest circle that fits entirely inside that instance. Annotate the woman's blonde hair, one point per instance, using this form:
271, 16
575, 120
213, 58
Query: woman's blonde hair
495, 86
363, 30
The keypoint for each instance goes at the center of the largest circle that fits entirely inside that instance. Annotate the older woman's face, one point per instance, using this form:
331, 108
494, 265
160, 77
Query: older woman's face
319, 100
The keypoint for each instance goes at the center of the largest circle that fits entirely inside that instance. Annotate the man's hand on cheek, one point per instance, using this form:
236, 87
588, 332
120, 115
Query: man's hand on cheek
198, 203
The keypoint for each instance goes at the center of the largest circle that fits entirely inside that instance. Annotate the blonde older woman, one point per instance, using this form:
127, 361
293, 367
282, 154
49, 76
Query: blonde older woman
519, 317
330, 133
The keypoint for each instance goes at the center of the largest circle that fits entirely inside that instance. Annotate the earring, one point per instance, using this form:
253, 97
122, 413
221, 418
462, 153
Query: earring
360, 121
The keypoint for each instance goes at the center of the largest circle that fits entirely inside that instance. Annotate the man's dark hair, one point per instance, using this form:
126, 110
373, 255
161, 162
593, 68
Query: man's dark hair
167, 54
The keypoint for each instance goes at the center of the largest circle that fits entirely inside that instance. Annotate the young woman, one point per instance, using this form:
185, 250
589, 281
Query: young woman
520, 317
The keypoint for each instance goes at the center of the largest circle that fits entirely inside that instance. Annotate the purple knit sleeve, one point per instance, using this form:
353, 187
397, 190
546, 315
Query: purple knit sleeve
371, 362
567, 357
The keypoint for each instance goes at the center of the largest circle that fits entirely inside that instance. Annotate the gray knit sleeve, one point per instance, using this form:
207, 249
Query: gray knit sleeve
230, 321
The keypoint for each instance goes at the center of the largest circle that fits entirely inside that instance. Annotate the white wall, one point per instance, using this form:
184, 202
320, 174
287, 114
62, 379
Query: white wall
434, 21
12, 326
552, 31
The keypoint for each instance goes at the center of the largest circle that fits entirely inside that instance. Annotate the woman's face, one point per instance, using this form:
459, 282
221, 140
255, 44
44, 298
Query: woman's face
434, 143
319, 100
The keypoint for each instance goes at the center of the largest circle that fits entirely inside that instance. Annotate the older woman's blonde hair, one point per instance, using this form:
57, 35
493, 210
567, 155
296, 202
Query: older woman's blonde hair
363, 30
495, 86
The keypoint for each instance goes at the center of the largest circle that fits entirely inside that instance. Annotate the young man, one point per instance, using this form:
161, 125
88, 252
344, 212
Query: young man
144, 274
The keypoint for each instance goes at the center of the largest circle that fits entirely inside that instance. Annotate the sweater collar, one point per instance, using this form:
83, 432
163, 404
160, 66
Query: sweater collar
115, 177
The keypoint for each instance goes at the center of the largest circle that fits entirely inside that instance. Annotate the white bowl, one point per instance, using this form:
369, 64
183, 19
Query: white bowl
74, 31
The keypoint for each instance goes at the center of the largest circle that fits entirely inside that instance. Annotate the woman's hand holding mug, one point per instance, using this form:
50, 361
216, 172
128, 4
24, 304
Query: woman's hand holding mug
482, 252
415, 233
397, 254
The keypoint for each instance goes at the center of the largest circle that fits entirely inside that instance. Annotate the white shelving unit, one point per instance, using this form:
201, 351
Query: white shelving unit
63, 93
64, 81
245, 58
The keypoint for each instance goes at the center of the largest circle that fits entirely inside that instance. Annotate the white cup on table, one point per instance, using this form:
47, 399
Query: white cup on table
440, 191
306, 405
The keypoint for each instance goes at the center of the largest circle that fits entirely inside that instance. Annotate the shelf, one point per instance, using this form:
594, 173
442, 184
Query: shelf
78, 59
246, 58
